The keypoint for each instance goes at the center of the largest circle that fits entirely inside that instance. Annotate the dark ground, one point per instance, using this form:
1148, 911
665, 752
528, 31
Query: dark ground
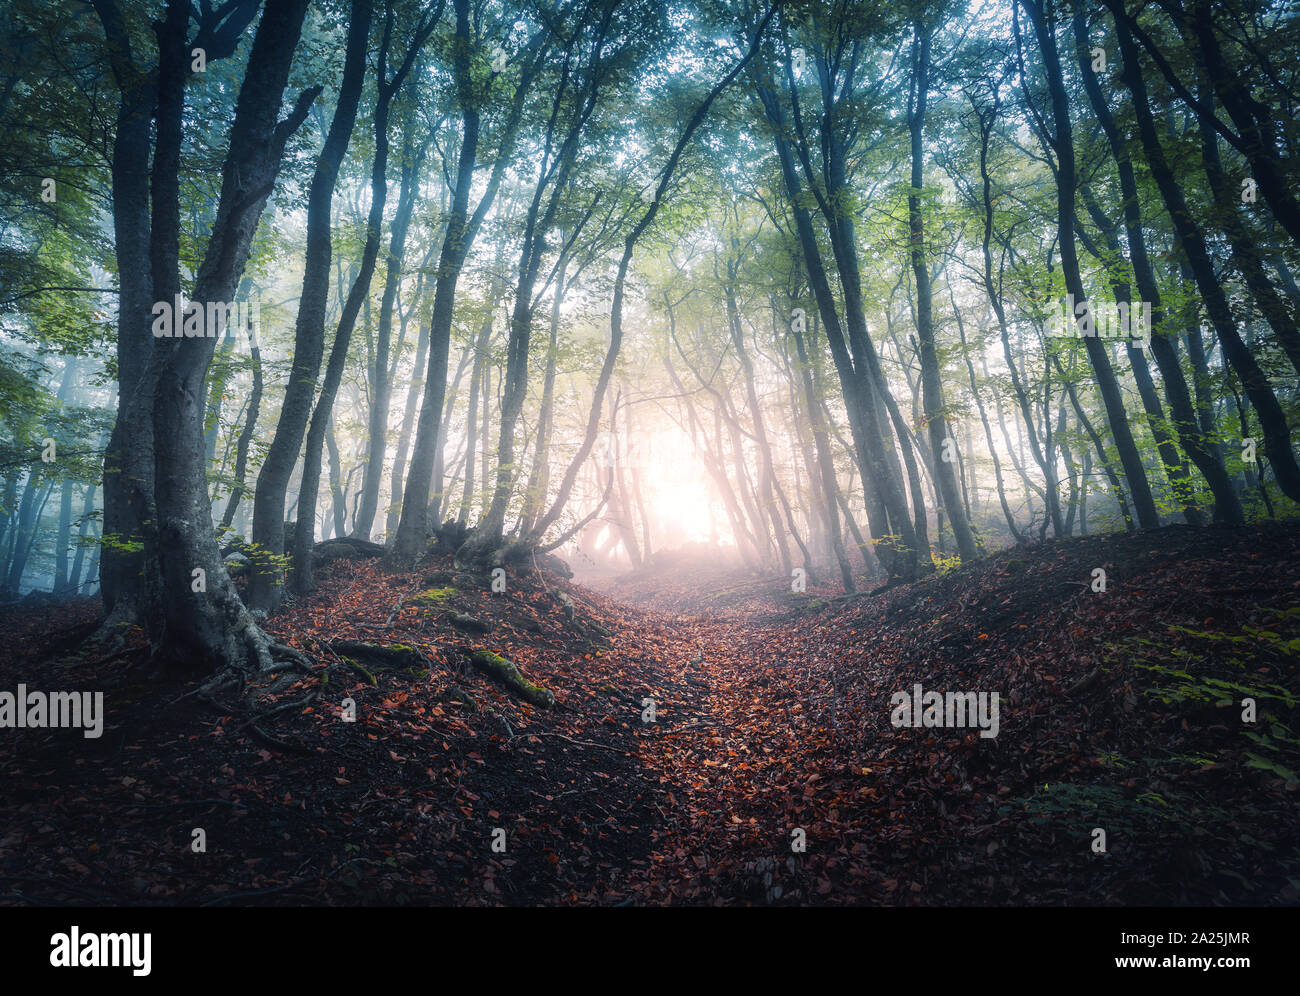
783, 723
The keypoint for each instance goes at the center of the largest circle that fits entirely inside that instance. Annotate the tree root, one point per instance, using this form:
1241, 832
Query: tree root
298, 703
291, 658
467, 623
505, 673
110, 636
393, 655
346, 547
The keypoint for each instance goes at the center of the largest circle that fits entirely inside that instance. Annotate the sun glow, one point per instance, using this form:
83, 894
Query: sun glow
677, 496
680, 496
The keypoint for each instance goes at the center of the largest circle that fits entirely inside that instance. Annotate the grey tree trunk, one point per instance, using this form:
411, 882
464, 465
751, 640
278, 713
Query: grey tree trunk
1277, 435
1066, 180
266, 575
942, 444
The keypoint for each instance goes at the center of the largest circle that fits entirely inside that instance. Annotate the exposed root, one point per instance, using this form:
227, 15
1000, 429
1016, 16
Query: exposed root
111, 634
296, 703
504, 672
291, 659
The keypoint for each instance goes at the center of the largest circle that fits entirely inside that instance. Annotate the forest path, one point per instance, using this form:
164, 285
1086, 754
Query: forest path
1111, 716
746, 751
737, 803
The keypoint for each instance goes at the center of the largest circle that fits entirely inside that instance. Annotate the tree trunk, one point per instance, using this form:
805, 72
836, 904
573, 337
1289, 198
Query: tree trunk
322, 417
825, 460
942, 446
127, 580
1277, 436
408, 421
413, 526
380, 385
78, 559
1107, 384
539, 478
206, 621
245, 436
266, 576
1201, 450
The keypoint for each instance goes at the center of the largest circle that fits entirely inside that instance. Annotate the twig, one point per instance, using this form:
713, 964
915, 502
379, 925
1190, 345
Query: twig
688, 726
388, 623
585, 743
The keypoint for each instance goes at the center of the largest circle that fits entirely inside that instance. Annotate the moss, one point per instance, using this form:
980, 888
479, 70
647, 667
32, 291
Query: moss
392, 657
501, 670
357, 667
460, 695
435, 596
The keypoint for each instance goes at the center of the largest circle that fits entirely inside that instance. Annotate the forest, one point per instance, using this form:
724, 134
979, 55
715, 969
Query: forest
649, 452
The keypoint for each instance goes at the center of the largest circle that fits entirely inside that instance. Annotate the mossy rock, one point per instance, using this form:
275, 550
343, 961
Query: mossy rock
504, 672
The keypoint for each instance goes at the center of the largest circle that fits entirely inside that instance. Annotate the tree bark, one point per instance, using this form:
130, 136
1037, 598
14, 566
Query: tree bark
936, 415
266, 576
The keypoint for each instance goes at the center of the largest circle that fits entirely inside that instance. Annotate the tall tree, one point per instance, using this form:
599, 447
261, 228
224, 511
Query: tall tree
265, 578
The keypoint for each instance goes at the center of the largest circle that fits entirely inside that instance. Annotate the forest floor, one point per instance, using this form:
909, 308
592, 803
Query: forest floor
772, 714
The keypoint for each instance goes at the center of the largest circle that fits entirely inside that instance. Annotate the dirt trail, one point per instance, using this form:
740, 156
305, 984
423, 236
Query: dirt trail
741, 822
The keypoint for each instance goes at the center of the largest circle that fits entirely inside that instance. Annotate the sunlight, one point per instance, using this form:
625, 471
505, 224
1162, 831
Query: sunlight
680, 500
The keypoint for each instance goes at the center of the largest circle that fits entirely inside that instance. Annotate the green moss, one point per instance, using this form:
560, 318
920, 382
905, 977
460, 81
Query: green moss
493, 662
435, 596
357, 667
463, 697
507, 674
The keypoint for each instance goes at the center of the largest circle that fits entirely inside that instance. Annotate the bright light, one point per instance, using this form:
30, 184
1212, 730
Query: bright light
680, 500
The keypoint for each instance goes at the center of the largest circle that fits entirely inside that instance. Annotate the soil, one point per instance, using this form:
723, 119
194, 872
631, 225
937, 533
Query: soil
768, 774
